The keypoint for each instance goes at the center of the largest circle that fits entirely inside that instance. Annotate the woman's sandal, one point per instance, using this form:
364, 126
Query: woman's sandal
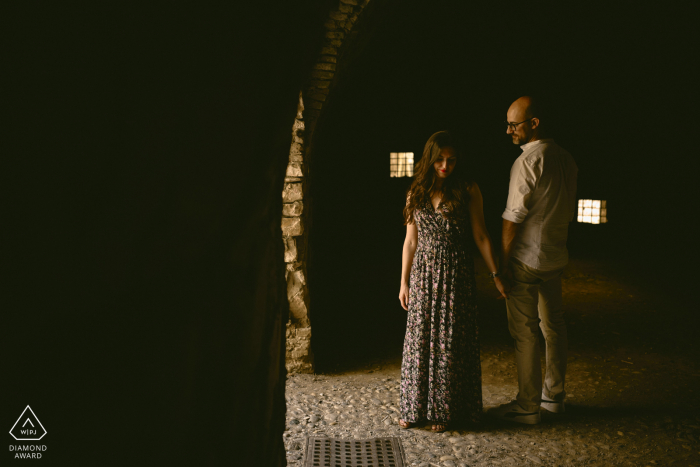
403, 424
438, 427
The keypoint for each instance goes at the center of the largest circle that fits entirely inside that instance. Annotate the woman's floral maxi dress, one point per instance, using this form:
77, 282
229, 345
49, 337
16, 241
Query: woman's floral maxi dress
441, 368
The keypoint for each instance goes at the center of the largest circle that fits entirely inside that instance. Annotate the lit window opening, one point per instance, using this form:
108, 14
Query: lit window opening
401, 164
592, 211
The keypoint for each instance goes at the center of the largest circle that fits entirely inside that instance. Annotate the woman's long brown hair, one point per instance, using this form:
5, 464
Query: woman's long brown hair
455, 194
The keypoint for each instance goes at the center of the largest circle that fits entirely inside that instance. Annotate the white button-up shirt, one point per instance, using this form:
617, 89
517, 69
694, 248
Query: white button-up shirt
542, 197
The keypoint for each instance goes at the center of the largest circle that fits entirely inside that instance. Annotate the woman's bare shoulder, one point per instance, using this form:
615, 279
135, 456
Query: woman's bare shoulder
472, 187
474, 191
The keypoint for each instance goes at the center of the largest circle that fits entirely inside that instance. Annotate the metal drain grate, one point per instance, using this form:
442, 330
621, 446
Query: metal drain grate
373, 452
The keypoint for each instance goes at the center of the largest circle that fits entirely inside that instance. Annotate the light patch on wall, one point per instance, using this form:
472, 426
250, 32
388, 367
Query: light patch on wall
592, 211
401, 164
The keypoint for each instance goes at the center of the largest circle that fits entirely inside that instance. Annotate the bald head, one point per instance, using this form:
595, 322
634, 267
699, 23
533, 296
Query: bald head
524, 121
521, 109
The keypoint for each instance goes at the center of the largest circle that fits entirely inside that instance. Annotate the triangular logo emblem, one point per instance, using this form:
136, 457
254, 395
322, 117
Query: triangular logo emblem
27, 427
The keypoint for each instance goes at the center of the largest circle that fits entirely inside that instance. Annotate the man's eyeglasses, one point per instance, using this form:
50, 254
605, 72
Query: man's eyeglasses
513, 126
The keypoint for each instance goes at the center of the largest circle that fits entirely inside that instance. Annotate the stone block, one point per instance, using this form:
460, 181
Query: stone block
292, 226
295, 284
294, 169
325, 66
336, 43
297, 139
292, 192
295, 289
296, 158
300, 353
292, 209
330, 24
298, 126
335, 35
320, 84
302, 343
296, 366
299, 277
318, 96
338, 16
303, 332
293, 179
290, 250
297, 307
300, 107
296, 148
349, 23
329, 59
315, 104
322, 74
329, 51
345, 8
349, 2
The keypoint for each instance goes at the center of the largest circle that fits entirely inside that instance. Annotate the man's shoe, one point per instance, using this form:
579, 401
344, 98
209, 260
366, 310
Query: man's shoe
514, 413
552, 406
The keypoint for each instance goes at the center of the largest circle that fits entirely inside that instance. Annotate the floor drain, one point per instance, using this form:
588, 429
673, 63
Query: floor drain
373, 452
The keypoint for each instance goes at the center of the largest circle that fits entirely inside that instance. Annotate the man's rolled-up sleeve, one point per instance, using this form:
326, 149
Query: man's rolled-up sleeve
523, 180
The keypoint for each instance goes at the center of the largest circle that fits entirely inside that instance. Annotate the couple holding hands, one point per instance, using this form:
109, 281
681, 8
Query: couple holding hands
441, 367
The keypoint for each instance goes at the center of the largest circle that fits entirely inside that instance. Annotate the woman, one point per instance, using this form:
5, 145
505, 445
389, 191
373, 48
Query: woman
441, 368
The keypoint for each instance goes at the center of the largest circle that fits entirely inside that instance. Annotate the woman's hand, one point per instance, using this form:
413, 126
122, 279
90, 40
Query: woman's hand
503, 286
403, 296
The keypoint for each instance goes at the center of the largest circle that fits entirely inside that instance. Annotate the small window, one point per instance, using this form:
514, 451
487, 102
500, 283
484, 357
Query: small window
592, 211
401, 164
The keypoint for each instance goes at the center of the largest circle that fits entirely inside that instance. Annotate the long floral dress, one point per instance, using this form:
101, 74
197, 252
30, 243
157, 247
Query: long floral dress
441, 368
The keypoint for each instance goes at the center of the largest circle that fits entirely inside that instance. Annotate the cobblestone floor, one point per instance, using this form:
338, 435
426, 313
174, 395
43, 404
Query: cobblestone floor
632, 388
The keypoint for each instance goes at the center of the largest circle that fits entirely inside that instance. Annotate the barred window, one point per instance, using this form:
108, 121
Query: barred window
401, 164
592, 211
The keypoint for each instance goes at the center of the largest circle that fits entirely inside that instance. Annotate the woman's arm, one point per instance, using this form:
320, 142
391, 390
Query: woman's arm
409, 249
481, 235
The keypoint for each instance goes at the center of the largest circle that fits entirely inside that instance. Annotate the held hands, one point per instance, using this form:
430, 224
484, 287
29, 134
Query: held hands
403, 296
503, 284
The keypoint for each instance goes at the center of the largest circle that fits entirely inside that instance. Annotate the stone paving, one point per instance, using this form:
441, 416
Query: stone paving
631, 398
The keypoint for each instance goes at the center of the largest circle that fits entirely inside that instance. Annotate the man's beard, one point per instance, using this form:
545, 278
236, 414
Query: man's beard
520, 141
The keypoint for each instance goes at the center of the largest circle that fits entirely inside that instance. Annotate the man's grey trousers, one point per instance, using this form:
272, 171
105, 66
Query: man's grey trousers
535, 299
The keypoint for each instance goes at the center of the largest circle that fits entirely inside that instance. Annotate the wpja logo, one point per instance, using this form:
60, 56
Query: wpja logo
28, 428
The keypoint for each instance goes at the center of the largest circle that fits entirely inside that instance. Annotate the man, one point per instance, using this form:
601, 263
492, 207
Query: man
541, 203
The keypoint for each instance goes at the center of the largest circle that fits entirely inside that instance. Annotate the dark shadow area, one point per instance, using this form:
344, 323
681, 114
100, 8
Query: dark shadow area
458, 66
356, 245
143, 278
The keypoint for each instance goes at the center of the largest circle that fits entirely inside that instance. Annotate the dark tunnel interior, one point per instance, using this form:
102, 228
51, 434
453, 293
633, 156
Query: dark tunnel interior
459, 67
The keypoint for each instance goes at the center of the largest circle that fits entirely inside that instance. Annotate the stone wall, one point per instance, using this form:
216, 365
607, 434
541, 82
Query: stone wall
340, 31
299, 356
347, 29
